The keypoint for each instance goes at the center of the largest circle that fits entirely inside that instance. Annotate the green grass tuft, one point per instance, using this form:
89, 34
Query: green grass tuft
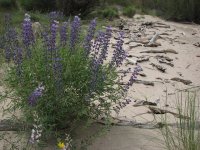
185, 135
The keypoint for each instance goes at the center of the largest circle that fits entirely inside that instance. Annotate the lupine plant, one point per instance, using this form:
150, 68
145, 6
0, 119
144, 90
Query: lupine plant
64, 77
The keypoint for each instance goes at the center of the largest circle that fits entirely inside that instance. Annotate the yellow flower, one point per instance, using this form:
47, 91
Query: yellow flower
61, 145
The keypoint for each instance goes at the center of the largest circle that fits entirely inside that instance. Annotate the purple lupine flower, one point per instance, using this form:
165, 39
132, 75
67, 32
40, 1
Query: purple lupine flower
133, 77
49, 42
47, 49
97, 45
57, 70
75, 29
45, 40
94, 75
8, 53
8, 38
18, 57
88, 40
13, 50
11, 39
95, 63
105, 45
53, 30
57, 65
99, 53
27, 32
119, 53
63, 34
35, 95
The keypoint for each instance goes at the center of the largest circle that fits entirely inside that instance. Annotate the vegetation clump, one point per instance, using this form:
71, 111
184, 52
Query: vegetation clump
129, 11
7, 4
185, 133
110, 13
65, 76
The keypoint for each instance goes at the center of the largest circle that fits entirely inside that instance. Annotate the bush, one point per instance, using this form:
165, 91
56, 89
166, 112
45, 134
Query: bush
104, 13
68, 7
74, 7
110, 13
129, 11
178, 10
41, 5
60, 80
118, 2
7, 3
